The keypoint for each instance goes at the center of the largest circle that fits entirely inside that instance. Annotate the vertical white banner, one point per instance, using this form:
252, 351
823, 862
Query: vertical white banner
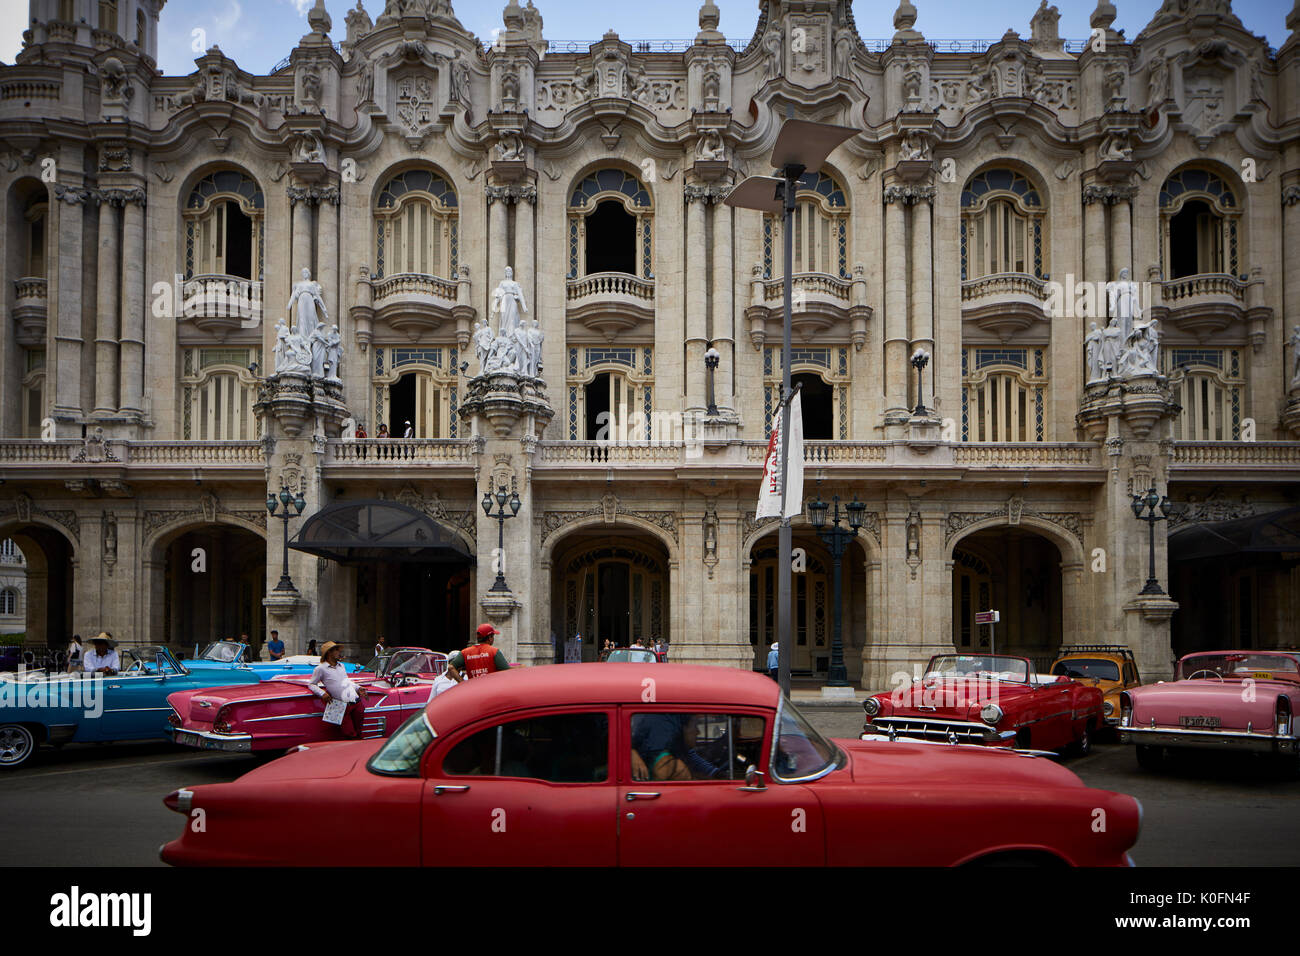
794, 496
769, 495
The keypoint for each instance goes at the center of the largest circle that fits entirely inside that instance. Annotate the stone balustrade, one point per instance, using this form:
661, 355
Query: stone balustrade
77, 453
805, 284
31, 287
1029, 454
611, 284
413, 284
377, 452
601, 452
1002, 284
1177, 292
1190, 455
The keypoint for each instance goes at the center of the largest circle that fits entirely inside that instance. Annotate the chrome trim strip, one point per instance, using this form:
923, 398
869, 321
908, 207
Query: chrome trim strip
1180, 737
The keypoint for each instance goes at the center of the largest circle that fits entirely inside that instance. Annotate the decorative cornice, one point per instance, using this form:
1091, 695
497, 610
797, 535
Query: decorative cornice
120, 197
909, 195
1108, 194
313, 194
512, 192
73, 195
958, 521
553, 521
705, 193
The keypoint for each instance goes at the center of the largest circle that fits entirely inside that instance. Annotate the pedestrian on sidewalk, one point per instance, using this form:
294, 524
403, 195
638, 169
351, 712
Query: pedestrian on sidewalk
774, 661
481, 658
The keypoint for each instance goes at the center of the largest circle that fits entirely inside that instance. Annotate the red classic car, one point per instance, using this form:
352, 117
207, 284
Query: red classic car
278, 714
992, 700
1222, 700
639, 765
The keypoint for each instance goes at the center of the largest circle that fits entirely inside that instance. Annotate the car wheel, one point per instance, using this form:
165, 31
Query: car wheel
17, 744
1150, 757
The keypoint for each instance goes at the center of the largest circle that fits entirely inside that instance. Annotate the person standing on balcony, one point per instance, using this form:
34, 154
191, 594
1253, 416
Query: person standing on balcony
410, 432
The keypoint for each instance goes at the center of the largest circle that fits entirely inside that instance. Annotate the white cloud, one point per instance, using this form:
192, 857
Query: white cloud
13, 21
302, 6
227, 19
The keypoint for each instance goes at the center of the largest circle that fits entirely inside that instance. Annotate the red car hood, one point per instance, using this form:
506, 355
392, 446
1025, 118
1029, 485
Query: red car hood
920, 765
1230, 701
317, 761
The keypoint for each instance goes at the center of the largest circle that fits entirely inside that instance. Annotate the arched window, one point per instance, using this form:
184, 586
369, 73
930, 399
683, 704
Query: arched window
1001, 225
8, 602
820, 226
418, 385
824, 398
35, 216
610, 226
1199, 216
218, 393
9, 550
1209, 385
223, 226
416, 226
1004, 393
611, 395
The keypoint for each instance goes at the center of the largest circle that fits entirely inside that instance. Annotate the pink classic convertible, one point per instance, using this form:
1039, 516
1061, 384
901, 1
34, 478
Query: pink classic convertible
1222, 700
278, 715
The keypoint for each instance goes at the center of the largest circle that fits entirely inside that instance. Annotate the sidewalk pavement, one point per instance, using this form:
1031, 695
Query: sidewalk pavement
807, 692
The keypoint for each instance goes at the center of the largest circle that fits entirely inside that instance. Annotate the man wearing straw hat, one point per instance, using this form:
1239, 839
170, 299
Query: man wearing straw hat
330, 682
103, 658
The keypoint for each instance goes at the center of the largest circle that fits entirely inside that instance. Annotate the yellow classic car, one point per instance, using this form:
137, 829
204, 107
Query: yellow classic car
1109, 667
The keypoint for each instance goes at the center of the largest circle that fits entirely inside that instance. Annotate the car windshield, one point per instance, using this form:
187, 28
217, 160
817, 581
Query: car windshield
147, 659
979, 665
223, 652
377, 664
1087, 667
628, 655
417, 662
1239, 666
400, 755
800, 750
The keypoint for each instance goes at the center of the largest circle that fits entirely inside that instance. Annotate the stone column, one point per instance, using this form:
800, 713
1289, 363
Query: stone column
895, 338
497, 251
66, 306
1094, 242
131, 355
300, 241
525, 243
723, 331
327, 254
106, 303
922, 280
696, 304
1121, 232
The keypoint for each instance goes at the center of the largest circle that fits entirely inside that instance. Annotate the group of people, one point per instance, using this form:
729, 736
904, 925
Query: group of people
660, 647
329, 681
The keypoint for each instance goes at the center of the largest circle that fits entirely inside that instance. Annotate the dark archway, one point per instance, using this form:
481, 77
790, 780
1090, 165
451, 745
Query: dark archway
611, 239
49, 588
215, 581
817, 398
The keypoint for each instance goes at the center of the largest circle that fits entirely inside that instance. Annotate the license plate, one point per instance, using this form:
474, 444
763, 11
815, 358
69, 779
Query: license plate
194, 740
1208, 722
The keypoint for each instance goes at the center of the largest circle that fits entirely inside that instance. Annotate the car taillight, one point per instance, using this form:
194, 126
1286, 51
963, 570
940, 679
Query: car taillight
1283, 721
222, 724
174, 719
179, 800
1125, 710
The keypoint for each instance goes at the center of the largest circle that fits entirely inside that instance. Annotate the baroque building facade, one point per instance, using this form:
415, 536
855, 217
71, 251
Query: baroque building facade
154, 226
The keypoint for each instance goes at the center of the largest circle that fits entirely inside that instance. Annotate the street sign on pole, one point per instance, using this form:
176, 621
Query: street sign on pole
990, 618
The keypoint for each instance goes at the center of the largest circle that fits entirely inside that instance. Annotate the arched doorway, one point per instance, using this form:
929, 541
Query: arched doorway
609, 587
214, 582
45, 597
1016, 572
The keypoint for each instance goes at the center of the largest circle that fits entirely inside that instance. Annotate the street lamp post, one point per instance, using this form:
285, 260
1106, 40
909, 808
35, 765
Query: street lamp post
920, 359
501, 500
801, 145
1149, 502
837, 540
293, 506
711, 359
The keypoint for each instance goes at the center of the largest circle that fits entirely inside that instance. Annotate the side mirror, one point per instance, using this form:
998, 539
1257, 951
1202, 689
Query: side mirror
754, 779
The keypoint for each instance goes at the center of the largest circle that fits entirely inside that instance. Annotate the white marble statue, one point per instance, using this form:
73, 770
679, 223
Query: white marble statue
333, 353
535, 340
307, 295
483, 339
520, 342
1122, 298
1112, 340
508, 302
299, 359
1092, 354
317, 342
1295, 358
281, 347
1142, 355
502, 358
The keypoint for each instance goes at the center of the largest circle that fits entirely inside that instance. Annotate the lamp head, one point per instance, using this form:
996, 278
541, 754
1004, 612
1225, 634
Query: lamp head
817, 512
515, 503
271, 502
856, 509
487, 502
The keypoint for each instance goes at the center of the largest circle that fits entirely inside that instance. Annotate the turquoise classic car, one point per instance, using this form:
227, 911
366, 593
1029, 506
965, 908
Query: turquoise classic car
228, 655
39, 708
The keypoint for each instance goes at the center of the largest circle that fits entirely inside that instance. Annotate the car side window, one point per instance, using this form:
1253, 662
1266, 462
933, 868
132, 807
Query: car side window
690, 746
560, 748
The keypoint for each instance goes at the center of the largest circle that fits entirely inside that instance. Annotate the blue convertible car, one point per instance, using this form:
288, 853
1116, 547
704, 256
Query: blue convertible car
39, 708
228, 655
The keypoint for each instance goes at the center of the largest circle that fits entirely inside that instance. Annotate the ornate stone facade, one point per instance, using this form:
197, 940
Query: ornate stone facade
994, 192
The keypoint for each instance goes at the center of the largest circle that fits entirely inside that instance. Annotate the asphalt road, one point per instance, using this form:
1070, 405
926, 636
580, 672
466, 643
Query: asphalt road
92, 805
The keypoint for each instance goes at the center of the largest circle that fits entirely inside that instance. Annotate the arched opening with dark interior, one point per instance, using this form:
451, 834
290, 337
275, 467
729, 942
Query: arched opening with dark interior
215, 580
1195, 241
611, 239
817, 398
47, 604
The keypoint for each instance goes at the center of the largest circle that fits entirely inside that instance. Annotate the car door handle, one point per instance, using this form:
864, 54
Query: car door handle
446, 789
641, 795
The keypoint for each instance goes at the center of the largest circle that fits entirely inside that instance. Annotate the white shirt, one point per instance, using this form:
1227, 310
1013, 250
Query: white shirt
93, 662
441, 683
334, 680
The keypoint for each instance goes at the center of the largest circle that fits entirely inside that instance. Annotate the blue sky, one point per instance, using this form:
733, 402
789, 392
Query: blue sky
258, 33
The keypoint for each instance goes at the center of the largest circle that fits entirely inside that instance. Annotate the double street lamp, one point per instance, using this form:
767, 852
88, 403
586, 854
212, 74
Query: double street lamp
711, 359
1148, 503
920, 359
837, 540
291, 506
501, 501
800, 146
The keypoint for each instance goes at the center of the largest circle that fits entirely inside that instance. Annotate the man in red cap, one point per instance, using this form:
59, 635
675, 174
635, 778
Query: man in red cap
481, 657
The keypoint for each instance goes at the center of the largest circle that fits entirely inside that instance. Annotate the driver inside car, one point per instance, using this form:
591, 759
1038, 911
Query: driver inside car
663, 748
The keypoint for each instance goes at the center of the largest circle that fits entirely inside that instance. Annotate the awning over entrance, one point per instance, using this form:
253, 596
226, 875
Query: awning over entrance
1274, 533
379, 531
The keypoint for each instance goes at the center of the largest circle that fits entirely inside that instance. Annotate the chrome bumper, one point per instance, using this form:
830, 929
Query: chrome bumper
1208, 739
207, 740
925, 728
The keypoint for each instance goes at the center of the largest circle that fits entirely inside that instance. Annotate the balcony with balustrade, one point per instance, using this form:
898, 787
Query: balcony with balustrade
31, 306
1202, 305
415, 304
218, 305
610, 303
1004, 304
821, 304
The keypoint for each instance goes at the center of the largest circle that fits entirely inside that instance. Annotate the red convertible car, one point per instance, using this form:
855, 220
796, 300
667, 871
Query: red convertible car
1219, 700
992, 700
279, 714
646, 765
